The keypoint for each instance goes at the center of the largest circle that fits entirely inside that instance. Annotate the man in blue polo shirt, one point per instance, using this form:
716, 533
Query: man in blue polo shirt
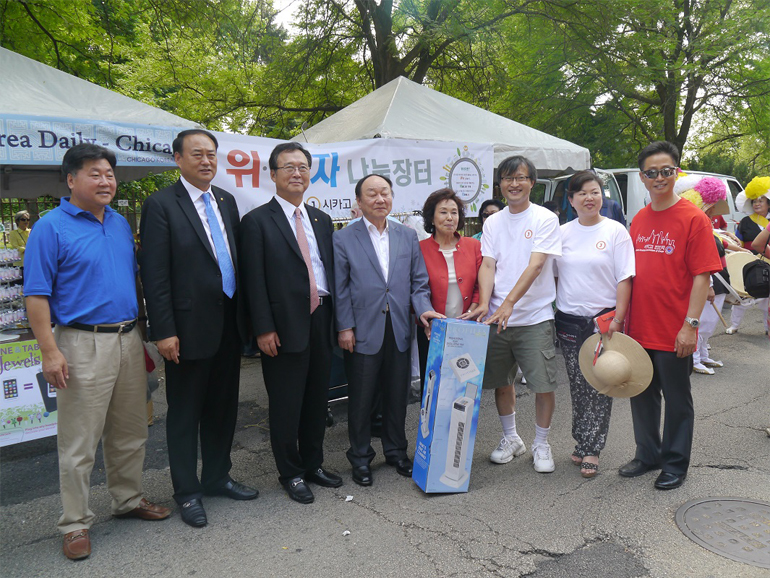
79, 275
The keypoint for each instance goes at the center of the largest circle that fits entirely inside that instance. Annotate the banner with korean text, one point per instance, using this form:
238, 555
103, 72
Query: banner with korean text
417, 168
28, 406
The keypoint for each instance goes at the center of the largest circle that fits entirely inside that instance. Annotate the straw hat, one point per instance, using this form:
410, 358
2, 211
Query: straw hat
623, 369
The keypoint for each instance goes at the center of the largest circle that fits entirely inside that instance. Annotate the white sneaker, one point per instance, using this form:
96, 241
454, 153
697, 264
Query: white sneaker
523, 380
543, 459
731, 330
708, 362
507, 450
702, 369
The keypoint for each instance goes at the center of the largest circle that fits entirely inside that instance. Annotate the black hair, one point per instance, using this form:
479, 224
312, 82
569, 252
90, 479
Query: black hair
657, 147
579, 179
75, 157
429, 208
491, 202
510, 165
178, 143
360, 183
287, 147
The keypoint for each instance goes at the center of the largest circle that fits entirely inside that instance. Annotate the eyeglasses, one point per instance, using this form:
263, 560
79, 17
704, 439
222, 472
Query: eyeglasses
665, 172
24, 219
291, 169
509, 180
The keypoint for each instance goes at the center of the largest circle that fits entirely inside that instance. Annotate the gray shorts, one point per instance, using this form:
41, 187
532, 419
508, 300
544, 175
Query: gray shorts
531, 348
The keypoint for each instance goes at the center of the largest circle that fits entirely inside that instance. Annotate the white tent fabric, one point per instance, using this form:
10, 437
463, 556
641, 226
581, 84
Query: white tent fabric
407, 110
33, 89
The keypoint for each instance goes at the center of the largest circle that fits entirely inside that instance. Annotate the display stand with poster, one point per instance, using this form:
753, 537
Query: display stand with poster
28, 404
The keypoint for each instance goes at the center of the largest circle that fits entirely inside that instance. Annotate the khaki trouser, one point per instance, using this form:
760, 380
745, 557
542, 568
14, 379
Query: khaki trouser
104, 398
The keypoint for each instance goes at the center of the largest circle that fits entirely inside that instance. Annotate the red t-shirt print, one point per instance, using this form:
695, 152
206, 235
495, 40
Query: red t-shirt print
671, 247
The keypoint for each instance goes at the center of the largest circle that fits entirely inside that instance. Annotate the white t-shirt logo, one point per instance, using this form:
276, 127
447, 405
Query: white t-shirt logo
528, 234
601, 245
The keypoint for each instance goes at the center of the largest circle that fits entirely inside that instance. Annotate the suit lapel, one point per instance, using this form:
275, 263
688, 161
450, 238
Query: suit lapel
366, 243
321, 232
279, 217
188, 208
394, 239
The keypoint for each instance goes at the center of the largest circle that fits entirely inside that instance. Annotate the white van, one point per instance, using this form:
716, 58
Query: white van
553, 189
634, 193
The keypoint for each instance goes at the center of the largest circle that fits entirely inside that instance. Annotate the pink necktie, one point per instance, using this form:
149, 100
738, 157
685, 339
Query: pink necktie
304, 247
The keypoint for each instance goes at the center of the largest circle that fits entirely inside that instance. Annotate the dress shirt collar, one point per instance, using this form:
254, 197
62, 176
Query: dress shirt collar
194, 192
371, 227
289, 208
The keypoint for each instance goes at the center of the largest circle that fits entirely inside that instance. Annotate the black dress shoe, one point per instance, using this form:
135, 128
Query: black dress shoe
298, 490
235, 491
193, 513
362, 475
403, 466
636, 468
669, 481
323, 478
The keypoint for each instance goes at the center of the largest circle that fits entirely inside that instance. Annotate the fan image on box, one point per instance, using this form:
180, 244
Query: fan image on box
455, 472
426, 403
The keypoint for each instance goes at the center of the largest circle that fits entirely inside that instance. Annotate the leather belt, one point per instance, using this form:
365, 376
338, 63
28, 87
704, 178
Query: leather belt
113, 328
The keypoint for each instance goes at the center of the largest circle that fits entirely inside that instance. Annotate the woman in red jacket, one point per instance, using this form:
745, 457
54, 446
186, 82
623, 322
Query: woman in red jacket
452, 261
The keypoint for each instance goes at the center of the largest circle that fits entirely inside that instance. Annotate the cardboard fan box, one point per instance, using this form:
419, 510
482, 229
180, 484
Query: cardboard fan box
449, 413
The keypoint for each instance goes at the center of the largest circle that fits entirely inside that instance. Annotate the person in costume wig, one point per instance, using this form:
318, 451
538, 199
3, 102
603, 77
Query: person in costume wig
709, 194
755, 202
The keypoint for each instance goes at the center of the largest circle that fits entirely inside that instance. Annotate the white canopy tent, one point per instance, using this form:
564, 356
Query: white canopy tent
40, 101
403, 109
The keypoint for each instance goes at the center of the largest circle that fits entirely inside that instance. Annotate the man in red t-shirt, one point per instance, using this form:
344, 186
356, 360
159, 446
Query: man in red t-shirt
675, 255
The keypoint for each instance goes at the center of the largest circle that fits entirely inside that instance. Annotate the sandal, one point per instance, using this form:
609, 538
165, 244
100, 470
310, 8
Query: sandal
588, 469
576, 458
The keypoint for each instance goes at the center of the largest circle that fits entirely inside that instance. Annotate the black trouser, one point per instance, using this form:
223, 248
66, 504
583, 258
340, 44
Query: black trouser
202, 395
387, 371
423, 345
298, 389
671, 378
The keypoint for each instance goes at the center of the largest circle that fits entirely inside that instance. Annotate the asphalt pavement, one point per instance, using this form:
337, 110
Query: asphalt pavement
513, 521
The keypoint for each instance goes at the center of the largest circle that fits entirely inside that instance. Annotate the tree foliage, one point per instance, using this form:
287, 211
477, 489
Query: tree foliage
610, 76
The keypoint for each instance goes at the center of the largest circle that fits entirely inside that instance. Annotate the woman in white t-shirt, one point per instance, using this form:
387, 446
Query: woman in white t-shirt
594, 276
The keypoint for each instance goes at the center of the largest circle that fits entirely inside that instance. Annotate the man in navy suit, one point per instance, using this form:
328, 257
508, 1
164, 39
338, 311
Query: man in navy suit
287, 264
379, 273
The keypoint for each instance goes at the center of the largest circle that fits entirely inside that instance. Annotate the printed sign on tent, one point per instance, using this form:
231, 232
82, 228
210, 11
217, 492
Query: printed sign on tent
417, 168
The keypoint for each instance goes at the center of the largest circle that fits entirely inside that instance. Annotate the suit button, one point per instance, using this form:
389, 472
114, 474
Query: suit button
387, 290
460, 280
383, 311
219, 302
219, 274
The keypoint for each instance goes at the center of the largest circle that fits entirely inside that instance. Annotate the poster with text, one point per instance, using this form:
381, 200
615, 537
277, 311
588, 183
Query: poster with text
28, 406
417, 168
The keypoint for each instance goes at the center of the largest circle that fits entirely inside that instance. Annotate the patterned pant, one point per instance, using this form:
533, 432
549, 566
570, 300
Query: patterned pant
590, 409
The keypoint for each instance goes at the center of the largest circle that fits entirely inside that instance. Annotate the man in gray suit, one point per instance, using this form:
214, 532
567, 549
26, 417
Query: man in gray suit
379, 272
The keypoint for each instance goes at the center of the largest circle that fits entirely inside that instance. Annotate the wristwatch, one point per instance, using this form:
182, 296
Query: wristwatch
692, 322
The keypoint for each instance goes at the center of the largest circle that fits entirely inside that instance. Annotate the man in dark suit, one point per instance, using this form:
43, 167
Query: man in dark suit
288, 273
188, 262
379, 272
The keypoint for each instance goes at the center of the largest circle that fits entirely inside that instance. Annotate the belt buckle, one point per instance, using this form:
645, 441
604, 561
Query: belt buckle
121, 328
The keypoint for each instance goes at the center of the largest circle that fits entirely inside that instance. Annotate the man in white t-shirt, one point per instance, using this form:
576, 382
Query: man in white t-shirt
516, 290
